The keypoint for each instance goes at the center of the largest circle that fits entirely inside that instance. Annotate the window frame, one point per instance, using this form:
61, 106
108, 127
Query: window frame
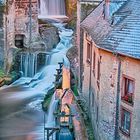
94, 62
124, 96
98, 73
123, 109
89, 49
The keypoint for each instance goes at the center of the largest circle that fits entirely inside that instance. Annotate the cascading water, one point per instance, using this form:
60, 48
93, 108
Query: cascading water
52, 8
28, 64
20, 103
47, 59
51, 119
31, 62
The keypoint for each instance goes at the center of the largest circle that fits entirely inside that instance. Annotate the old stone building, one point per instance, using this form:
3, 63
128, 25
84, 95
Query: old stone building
26, 19
20, 27
21, 22
111, 68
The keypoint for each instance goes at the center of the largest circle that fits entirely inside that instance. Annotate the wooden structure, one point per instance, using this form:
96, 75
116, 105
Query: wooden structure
63, 116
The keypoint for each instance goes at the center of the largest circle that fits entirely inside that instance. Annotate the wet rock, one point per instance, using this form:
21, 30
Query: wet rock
72, 55
49, 35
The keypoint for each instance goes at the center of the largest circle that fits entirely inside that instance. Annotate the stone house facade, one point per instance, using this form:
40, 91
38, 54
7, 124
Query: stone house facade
111, 67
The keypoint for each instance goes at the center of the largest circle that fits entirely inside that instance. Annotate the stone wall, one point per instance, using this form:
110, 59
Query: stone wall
10, 26
131, 68
17, 22
1, 35
22, 19
49, 35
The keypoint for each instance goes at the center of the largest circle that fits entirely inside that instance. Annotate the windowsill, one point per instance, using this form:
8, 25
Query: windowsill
127, 134
126, 102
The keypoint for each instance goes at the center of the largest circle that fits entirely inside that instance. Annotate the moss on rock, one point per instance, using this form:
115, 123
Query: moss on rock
47, 99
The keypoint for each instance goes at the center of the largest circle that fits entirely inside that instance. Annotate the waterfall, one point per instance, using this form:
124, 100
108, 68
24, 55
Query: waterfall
52, 7
28, 64
43, 7
51, 118
48, 57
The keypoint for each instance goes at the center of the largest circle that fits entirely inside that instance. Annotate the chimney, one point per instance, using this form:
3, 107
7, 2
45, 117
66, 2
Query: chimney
107, 4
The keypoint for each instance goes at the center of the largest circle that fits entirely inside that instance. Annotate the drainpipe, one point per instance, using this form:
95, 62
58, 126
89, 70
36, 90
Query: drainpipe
78, 44
116, 136
90, 77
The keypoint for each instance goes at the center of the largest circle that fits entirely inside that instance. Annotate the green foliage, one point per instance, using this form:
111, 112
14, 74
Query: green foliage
86, 10
72, 24
75, 91
8, 79
2, 7
74, 83
46, 102
47, 99
87, 121
2, 74
15, 67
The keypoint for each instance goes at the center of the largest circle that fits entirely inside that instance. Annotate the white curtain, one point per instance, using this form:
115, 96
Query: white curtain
130, 89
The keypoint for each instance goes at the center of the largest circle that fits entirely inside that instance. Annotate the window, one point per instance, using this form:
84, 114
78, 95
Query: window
88, 52
94, 60
98, 75
125, 121
128, 90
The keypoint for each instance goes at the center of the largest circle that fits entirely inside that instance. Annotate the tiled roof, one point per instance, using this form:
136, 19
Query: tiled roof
95, 25
124, 36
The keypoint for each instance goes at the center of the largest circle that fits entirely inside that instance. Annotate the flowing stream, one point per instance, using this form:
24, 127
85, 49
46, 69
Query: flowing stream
21, 115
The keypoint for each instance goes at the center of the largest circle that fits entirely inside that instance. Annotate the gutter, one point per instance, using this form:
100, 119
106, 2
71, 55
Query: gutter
90, 77
118, 53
